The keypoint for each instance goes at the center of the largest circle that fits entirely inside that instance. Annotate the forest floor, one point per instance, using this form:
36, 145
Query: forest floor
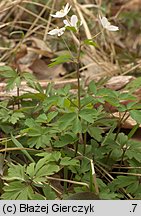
112, 59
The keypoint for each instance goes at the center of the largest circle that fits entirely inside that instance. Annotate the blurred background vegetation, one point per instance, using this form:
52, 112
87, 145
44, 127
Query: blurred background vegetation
25, 43
26, 46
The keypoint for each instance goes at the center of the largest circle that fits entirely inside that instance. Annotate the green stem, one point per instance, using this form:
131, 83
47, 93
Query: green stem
122, 157
65, 177
133, 131
78, 74
76, 149
18, 94
78, 86
120, 124
97, 34
85, 141
108, 156
68, 47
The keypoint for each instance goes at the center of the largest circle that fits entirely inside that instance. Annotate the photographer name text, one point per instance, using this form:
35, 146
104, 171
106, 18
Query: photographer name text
47, 209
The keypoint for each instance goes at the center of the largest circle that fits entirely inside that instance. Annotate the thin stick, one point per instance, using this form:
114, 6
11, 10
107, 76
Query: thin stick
94, 177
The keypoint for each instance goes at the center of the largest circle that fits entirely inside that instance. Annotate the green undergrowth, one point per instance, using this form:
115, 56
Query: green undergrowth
48, 142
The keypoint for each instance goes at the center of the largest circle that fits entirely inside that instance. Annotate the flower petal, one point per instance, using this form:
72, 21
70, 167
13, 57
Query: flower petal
105, 22
112, 28
59, 14
107, 25
66, 22
74, 21
61, 31
57, 31
67, 9
63, 12
53, 32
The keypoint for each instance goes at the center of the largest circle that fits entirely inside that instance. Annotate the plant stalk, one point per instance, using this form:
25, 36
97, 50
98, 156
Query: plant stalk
78, 75
18, 94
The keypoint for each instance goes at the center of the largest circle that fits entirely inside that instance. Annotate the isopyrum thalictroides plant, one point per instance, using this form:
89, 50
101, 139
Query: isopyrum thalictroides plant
73, 24
58, 143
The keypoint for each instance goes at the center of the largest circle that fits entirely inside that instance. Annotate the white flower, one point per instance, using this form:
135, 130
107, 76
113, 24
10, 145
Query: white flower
57, 31
63, 12
107, 25
73, 22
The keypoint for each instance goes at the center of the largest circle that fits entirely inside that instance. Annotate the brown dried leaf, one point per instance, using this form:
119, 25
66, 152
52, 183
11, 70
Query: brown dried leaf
41, 47
42, 71
118, 82
129, 123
